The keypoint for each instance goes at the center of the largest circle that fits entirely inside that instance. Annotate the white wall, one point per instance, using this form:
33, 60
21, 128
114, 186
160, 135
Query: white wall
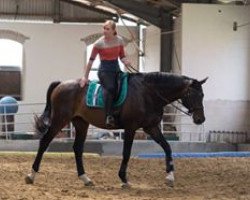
210, 47
151, 60
177, 48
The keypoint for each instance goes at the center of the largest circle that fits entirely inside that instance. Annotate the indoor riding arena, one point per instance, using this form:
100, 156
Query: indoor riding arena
181, 128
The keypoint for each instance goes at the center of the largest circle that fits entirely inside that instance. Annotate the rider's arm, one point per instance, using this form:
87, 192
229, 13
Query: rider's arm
122, 55
87, 68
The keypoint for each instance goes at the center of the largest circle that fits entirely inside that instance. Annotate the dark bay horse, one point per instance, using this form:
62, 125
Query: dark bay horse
148, 93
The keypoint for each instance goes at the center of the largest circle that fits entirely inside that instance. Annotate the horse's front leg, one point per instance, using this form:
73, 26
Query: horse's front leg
127, 145
158, 137
81, 128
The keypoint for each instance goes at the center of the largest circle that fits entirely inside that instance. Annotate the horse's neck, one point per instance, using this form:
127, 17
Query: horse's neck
160, 87
168, 88
169, 95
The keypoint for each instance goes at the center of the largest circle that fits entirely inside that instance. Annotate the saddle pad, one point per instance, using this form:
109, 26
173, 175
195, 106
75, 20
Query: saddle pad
94, 96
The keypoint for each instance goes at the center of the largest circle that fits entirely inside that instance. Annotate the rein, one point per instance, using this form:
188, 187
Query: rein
172, 104
129, 67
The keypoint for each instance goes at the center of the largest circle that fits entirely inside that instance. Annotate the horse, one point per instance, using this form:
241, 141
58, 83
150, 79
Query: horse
147, 95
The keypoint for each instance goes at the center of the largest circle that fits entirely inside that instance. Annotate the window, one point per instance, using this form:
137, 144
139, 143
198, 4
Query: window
11, 53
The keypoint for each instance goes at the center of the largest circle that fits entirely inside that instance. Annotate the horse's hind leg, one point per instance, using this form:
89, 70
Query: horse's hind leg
43, 145
81, 128
157, 136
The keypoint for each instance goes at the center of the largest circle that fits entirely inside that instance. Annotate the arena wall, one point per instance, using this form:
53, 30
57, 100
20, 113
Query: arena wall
210, 47
114, 148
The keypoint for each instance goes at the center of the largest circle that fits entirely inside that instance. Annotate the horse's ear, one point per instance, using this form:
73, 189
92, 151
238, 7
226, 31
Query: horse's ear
203, 81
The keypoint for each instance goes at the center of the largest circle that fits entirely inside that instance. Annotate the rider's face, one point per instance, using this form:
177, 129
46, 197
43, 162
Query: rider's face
108, 31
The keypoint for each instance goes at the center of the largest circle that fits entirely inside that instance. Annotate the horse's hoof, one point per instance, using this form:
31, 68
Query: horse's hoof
29, 180
170, 183
126, 185
89, 184
170, 179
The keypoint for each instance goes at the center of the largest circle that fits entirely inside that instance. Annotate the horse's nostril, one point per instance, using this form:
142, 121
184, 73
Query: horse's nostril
199, 121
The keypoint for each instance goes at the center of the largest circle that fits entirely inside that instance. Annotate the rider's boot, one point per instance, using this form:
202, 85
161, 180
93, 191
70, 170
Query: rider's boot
110, 121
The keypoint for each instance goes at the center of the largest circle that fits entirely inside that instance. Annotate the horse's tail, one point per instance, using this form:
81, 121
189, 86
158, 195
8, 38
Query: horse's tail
42, 123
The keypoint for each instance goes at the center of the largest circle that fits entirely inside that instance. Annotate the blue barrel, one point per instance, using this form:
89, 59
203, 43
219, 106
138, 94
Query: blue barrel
8, 105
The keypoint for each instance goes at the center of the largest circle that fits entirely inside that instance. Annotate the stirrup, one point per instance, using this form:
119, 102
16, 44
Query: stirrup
110, 121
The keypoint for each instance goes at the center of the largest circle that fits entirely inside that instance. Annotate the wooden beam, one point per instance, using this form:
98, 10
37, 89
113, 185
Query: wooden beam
142, 10
92, 8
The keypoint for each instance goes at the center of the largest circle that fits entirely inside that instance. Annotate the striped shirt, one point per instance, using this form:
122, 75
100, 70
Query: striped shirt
108, 50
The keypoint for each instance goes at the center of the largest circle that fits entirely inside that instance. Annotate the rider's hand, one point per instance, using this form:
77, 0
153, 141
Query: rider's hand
127, 63
83, 81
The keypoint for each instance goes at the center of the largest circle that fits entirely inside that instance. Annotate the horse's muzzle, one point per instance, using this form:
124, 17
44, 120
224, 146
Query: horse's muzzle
199, 117
199, 121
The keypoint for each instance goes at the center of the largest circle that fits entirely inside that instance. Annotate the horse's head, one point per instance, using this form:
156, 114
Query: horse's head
193, 101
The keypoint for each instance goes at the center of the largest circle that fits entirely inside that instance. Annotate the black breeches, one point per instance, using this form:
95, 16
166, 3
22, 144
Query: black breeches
109, 82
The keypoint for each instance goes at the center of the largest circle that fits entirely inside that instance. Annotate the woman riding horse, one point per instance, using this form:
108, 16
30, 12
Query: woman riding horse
110, 47
147, 95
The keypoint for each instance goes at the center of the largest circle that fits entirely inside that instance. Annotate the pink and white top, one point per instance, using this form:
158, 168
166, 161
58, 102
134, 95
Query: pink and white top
108, 49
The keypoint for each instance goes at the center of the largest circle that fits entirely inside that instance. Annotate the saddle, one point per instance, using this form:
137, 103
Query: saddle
94, 96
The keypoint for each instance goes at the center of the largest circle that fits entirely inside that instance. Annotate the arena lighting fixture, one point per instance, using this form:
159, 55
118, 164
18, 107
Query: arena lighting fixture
98, 5
232, 1
88, 3
108, 7
105, 8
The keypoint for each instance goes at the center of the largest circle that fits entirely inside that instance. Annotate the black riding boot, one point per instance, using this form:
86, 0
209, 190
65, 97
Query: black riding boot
110, 120
109, 82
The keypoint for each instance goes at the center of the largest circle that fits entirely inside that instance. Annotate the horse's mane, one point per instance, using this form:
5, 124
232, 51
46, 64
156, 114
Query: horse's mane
164, 79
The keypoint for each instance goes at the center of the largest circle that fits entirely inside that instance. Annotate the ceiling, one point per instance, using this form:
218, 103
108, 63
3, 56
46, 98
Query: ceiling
91, 11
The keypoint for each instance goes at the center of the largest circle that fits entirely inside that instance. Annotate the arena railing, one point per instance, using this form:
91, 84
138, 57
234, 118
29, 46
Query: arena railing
20, 125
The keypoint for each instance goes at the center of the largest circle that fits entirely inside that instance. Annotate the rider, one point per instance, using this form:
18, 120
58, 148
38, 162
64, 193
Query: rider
110, 47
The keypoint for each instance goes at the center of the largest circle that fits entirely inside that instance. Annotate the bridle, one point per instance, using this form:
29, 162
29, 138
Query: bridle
192, 107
